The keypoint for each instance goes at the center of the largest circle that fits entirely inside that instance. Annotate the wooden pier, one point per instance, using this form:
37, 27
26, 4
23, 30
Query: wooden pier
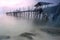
35, 13
28, 13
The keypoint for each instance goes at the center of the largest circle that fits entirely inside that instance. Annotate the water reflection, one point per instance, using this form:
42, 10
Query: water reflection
14, 27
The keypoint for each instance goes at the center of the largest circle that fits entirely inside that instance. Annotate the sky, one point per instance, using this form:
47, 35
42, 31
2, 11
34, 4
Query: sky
16, 3
13, 4
52, 1
22, 3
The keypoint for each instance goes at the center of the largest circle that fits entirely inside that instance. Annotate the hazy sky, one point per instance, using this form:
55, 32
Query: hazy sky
52, 1
22, 3
16, 3
6, 4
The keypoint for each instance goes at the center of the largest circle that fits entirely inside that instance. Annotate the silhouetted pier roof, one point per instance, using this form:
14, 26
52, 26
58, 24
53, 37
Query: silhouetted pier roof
42, 3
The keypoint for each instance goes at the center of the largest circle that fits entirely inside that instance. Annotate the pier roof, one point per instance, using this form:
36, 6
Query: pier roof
42, 3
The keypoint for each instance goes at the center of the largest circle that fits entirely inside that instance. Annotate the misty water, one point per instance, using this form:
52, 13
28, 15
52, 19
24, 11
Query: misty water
14, 27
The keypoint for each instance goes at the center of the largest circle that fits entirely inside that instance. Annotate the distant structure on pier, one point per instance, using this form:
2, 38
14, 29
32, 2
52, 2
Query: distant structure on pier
40, 10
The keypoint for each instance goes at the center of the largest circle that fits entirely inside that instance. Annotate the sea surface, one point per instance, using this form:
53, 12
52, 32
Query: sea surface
15, 26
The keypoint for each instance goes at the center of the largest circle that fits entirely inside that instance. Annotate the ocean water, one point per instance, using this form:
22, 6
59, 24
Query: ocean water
14, 27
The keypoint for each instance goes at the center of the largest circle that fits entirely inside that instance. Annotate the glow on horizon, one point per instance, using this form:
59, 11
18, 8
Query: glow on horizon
16, 3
